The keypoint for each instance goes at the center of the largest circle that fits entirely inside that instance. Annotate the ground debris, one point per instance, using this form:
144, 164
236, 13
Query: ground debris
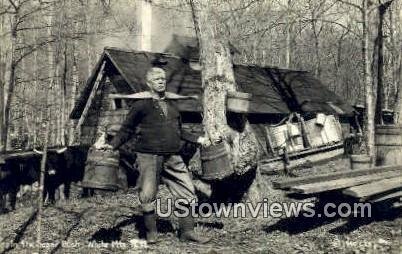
110, 224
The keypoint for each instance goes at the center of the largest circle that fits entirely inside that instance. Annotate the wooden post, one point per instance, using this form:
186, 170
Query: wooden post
41, 187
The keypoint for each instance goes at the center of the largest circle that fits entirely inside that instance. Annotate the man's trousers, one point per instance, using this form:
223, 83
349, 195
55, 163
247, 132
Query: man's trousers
173, 172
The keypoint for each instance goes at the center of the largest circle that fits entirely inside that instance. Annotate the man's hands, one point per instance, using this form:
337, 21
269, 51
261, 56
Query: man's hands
102, 144
203, 141
105, 147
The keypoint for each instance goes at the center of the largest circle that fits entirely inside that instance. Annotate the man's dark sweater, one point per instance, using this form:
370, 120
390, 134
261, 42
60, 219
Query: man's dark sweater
156, 127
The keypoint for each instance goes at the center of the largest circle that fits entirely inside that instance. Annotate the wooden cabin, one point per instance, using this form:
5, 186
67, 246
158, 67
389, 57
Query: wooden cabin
276, 93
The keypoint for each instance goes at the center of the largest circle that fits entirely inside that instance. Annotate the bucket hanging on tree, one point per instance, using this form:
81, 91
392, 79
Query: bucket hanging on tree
215, 162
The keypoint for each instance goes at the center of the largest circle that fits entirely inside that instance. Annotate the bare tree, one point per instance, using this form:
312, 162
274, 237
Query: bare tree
398, 100
217, 80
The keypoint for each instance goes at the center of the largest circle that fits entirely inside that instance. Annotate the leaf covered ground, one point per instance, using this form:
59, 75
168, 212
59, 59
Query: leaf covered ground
111, 223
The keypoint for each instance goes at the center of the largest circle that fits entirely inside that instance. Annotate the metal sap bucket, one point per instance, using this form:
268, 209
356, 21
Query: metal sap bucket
102, 170
279, 135
215, 162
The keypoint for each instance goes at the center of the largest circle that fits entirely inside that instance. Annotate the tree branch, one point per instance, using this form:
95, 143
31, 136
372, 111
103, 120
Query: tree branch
351, 4
33, 49
14, 5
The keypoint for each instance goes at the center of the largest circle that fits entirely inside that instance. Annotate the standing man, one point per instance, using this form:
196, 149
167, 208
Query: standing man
156, 126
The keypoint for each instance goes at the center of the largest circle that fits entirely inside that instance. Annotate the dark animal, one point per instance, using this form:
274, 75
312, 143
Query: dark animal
16, 173
63, 167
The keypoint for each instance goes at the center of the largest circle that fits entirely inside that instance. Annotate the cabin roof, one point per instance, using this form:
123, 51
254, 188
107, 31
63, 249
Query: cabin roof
274, 90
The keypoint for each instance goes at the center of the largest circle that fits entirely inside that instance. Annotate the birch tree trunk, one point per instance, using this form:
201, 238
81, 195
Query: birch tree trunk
90, 33
381, 91
51, 99
74, 90
217, 80
398, 104
11, 74
368, 81
2, 85
41, 188
288, 34
35, 115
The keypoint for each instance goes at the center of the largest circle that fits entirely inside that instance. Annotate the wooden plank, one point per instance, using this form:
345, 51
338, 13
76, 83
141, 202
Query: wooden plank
25, 154
304, 152
397, 205
381, 198
375, 188
99, 80
285, 184
278, 166
342, 183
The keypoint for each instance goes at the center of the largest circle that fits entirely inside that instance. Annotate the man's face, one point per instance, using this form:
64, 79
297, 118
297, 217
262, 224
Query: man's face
157, 81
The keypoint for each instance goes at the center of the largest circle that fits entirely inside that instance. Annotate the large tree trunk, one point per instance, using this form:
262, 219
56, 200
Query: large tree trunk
217, 80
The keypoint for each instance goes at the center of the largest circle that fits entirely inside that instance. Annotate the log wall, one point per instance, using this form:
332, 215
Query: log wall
101, 114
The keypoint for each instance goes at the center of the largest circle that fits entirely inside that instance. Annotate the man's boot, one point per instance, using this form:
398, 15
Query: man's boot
150, 227
187, 231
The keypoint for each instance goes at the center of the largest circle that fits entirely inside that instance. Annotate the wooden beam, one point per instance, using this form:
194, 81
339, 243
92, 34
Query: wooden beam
375, 188
148, 95
285, 184
397, 205
342, 183
276, 165
380, 198
99, 79
25, 154
304, 152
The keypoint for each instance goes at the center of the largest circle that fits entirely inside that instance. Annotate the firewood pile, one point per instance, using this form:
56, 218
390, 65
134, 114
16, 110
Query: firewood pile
374, 185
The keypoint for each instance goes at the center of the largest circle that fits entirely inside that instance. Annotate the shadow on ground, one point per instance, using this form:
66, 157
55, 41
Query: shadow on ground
305, 222
114, 233
378, 214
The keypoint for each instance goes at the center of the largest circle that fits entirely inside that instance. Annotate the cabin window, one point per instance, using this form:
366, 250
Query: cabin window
118, 103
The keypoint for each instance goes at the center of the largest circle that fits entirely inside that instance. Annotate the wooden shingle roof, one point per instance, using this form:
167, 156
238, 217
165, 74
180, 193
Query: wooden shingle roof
275, 91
